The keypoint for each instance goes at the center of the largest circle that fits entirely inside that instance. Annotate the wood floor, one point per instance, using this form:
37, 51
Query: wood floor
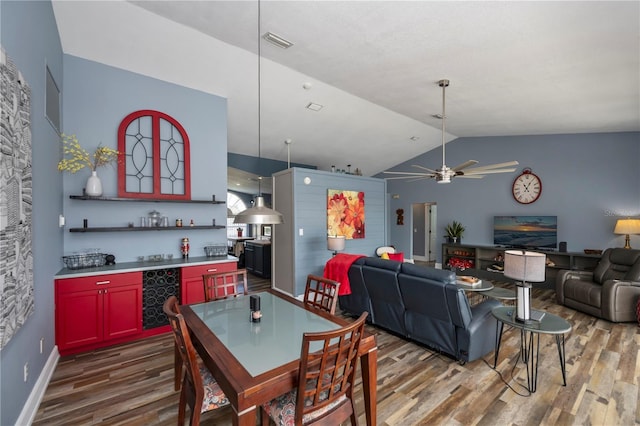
132, 384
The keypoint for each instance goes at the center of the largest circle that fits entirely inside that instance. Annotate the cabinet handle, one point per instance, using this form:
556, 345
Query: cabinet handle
102, 282
212, 270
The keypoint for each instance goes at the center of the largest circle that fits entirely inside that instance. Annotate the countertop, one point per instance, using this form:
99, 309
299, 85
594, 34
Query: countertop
143, 266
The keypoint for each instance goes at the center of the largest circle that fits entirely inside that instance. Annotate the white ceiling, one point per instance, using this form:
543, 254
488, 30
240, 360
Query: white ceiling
516, 68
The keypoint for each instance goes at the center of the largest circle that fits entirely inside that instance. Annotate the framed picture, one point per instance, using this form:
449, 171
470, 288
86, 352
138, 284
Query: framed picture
266, 230
345, 213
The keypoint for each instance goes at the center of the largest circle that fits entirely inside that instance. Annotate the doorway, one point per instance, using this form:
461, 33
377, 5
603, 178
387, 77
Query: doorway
423, 219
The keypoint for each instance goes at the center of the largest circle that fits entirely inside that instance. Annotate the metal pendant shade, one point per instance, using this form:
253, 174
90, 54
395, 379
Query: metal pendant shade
259, 214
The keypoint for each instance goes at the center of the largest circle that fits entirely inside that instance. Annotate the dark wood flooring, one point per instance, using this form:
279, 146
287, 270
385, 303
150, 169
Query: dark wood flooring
131, 384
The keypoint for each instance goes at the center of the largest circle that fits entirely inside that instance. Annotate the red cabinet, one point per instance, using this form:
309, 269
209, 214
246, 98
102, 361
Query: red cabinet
192, 288
97, 309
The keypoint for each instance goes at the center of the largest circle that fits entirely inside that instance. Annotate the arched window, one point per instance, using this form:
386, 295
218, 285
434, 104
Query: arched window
235, 205
157, 160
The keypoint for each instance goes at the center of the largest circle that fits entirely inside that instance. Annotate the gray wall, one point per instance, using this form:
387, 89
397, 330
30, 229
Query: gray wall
588, 181
305, 207
30, 37
97, 98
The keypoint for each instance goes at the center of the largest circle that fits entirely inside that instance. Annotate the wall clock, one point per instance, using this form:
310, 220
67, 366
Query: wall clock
527, 187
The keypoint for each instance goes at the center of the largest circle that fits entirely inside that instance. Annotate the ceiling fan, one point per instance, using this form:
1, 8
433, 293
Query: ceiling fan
444, 173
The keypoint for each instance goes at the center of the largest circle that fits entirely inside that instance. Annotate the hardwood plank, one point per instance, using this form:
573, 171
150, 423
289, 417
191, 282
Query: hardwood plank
131, 384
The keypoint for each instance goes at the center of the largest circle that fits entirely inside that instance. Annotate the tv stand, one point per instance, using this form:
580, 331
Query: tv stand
483, 258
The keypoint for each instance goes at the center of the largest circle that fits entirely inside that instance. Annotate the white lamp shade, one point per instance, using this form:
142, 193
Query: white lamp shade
627, 226
524, 265
336, 243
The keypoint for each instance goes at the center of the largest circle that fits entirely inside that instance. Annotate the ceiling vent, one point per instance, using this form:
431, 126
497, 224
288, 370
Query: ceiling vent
277, 40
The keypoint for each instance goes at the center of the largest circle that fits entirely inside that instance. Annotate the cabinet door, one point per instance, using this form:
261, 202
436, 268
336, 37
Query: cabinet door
250, 257
191, 285
258, 260
122, 311
79, 318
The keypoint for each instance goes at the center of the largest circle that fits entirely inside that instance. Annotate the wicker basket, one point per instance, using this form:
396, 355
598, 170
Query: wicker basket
87, 260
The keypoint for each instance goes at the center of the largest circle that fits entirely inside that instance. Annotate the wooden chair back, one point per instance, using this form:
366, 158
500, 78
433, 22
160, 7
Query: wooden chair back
321, 293
327, 375
192, 392
220, 285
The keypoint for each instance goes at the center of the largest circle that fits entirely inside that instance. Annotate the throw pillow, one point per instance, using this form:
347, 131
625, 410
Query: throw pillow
397, 256
385, 256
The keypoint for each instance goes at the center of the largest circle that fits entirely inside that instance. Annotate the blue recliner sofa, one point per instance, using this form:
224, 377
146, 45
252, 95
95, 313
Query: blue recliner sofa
421, 304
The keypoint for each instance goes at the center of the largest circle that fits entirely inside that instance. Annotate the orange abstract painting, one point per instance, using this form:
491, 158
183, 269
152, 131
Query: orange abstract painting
345, 213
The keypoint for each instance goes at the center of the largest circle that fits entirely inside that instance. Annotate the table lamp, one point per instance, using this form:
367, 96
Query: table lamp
335, 243
627, 227
525, 267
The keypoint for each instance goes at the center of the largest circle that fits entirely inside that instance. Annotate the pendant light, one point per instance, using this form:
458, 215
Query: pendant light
259, 214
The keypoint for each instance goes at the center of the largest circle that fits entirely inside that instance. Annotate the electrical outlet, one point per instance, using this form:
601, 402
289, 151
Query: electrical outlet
41, 345
26, 371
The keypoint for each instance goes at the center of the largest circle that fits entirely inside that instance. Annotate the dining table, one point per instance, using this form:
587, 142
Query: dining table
255, 362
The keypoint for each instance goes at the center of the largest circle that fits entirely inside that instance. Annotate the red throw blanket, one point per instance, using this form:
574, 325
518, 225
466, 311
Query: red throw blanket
337, 269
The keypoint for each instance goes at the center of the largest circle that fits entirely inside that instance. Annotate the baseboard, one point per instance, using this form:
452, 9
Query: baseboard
30, 409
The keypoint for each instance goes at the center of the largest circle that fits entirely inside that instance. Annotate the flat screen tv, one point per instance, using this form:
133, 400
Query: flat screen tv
533, 232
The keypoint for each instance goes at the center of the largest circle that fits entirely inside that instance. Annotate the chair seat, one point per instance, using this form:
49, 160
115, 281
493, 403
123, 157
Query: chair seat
214, 397
283, 409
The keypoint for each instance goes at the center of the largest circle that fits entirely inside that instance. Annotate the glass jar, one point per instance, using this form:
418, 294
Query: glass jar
154, 219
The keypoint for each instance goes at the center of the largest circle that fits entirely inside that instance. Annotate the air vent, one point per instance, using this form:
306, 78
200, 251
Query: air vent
277, 40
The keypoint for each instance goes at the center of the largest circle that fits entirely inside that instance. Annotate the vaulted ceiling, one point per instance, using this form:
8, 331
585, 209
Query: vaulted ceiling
516, 68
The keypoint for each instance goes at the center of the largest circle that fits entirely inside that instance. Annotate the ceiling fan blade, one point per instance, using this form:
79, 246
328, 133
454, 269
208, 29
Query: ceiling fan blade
472, 172
424, 168
466, 176
406, 173
464, 165
496, 166
416, 177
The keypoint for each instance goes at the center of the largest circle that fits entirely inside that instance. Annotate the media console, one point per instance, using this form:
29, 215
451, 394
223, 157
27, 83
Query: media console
487, 261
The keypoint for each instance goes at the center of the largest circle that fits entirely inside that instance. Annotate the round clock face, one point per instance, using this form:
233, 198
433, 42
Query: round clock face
527, 188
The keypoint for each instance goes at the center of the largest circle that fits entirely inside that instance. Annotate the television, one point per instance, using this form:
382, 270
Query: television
534, 232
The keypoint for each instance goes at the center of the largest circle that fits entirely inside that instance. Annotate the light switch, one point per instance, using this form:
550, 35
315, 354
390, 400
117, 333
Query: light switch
301, 232
60, 221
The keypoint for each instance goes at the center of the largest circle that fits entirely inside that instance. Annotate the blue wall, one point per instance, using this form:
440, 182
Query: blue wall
97, 98
588, 181
30, 38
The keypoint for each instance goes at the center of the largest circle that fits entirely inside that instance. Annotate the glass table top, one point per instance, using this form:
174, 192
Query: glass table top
261, 346
549, 324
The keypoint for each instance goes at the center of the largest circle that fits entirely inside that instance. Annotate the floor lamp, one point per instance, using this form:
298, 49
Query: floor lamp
525, 267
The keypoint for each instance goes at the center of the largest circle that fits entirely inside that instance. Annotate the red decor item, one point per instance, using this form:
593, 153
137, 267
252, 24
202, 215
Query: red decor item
337, 269
184, 247
396, 256
239, 232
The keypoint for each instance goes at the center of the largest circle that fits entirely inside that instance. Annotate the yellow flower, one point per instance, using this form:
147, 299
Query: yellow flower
77, 158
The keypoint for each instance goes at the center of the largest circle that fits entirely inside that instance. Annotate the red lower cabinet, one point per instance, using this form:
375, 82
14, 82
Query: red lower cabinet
192, 287
95, 311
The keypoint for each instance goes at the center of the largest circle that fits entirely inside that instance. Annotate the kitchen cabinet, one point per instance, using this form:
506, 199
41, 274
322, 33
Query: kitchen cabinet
94, 311
192, 287
257, 258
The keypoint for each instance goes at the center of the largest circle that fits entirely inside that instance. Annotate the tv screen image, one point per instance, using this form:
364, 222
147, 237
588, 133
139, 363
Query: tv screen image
526, 231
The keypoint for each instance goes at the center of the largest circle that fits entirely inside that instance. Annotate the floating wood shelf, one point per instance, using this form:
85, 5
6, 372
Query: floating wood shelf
149, 200
140, 228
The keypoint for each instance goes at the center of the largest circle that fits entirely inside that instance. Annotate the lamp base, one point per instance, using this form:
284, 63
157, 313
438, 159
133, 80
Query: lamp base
627, 242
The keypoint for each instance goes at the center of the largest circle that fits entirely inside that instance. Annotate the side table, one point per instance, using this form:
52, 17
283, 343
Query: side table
530, 340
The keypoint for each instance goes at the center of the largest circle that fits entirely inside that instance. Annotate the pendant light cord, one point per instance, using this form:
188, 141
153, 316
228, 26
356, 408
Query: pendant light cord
259, 103
444, 84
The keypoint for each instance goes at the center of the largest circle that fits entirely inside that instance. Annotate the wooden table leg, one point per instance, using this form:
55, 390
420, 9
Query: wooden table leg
369, 367
248, 417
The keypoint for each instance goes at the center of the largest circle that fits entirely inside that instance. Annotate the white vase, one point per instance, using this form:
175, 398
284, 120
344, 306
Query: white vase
94, 186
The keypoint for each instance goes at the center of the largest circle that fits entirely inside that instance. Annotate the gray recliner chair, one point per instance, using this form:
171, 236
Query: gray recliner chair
610, 292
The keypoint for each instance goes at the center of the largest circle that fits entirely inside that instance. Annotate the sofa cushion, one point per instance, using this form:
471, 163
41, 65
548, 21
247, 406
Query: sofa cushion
618, 264
586, 292
432, 274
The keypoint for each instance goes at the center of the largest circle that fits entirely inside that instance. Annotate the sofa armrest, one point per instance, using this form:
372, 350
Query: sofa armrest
619, 300
565, 275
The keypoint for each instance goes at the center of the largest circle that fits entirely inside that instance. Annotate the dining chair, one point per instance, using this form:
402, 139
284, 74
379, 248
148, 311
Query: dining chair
324, 392
220, 285
199, 389
321, 293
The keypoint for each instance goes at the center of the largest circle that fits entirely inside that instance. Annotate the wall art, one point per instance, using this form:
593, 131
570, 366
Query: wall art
16, 262
345, 213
